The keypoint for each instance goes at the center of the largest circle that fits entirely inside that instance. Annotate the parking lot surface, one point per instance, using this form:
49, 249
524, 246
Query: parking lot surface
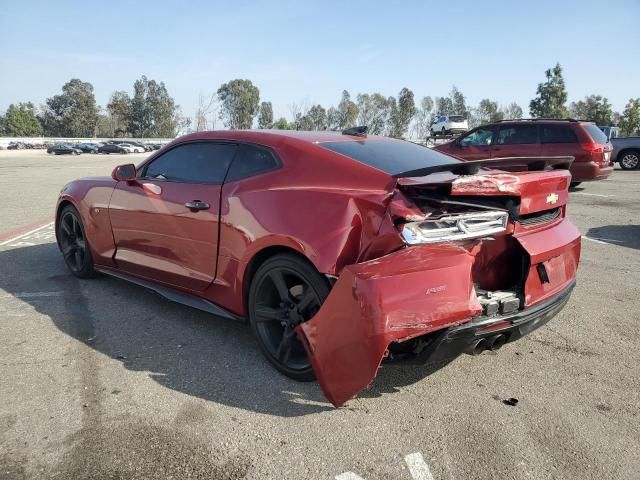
101, 379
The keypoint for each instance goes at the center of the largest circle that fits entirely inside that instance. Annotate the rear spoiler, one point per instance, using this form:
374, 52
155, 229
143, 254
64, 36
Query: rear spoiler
472, 167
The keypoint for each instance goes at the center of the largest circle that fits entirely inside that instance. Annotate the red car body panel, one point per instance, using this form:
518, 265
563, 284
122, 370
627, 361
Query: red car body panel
402, 295
419, 290
157, 235
342, 216
590, 160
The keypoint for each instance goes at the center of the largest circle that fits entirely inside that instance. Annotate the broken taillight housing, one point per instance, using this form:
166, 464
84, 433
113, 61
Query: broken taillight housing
449, 228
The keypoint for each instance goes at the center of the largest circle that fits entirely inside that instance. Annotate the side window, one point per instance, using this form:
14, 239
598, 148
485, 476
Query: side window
517, 134
558, 134
481, 136
251, 160
203, 162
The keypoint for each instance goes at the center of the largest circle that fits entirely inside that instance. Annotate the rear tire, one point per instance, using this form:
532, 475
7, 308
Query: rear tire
630, 160
73, 243
285, 291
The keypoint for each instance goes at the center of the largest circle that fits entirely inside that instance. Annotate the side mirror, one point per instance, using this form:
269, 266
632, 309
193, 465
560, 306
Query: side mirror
124, 173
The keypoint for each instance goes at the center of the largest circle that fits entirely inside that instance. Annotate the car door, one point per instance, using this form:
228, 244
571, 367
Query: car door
166, 224
475, 145
516, 140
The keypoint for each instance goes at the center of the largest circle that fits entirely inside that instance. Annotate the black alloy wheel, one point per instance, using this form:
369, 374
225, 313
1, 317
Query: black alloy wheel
73, 243
285, 292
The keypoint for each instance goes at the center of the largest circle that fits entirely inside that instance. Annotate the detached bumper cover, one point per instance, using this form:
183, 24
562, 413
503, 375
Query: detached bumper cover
421, 290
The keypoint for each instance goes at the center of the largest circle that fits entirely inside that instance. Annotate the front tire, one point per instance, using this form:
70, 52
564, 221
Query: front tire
73, 243
630, 160
285, 291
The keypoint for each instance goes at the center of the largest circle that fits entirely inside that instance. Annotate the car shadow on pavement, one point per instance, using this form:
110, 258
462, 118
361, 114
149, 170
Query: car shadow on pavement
181, 348
623, 235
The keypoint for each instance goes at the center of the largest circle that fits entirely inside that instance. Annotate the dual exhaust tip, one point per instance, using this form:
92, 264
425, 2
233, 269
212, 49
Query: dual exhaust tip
488, 343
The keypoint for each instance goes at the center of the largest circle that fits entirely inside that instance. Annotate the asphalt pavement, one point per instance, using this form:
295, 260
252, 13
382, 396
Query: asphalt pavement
100, 379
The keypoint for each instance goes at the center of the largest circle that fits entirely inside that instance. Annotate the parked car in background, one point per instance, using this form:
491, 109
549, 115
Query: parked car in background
88, 147
63, 149
16, 146
610, 132
131, 148
539, 138
449, 124
626, 151
112, 148
145, 147
413, 254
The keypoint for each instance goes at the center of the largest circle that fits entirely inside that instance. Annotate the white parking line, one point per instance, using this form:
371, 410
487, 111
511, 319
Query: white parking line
34, 294
592, 194
348, 476
418, 467
601, 241
26, 234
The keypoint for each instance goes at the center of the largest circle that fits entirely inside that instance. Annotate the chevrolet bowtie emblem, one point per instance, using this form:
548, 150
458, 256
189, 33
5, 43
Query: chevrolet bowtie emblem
552, 198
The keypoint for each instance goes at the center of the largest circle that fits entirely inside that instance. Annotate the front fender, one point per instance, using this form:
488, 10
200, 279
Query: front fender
91, 198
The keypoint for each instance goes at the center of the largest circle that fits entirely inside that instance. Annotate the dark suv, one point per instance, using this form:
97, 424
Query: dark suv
539, 137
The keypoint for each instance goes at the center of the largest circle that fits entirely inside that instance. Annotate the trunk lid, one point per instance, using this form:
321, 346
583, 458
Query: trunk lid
535, 190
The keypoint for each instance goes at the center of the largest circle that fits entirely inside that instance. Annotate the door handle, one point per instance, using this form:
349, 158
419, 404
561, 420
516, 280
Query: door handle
197, 205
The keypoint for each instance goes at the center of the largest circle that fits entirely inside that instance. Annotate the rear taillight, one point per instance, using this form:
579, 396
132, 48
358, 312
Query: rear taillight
449, 228
595, 151
592, 147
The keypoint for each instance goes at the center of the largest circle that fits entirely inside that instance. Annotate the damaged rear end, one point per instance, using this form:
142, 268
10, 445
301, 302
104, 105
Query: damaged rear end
466, 260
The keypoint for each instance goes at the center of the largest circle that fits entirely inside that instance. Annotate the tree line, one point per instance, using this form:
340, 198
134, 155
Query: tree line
151, 112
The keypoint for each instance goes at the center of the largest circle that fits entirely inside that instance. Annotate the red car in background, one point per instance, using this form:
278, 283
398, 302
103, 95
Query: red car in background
539, 137
340, 250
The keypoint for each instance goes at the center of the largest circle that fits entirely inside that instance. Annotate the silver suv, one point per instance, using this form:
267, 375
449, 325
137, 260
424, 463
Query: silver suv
449, 124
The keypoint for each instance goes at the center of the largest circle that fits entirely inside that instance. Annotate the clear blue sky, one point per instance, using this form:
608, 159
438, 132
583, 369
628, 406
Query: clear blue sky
299, 50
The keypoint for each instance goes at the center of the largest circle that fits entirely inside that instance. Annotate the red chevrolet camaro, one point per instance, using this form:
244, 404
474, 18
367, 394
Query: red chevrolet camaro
340, 250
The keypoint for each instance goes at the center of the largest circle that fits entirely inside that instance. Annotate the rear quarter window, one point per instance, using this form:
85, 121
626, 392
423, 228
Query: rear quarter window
595, 133
390, 156
251, 160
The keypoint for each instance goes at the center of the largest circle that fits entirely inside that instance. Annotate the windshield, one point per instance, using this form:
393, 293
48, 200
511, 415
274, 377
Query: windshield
390, 156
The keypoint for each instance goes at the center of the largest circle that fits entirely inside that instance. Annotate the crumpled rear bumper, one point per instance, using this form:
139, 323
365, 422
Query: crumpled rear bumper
460, 339
420, 290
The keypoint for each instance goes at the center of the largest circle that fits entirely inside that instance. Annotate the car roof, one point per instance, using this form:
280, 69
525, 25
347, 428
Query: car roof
273, 136
327, 144
534, 121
